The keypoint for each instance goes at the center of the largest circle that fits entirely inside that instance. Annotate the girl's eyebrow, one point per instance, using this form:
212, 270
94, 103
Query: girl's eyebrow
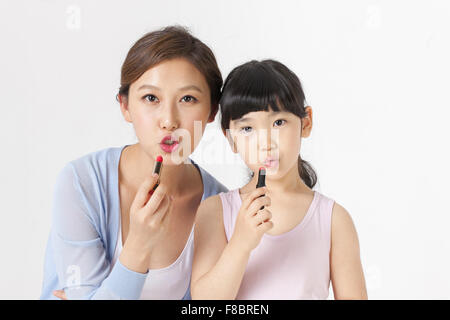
247, 118
278, 113
243, 119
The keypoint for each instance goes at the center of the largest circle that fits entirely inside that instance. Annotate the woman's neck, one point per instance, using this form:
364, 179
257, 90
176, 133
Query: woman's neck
135, 166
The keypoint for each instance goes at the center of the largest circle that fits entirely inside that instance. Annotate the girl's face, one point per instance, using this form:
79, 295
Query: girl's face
269, 139
165, 105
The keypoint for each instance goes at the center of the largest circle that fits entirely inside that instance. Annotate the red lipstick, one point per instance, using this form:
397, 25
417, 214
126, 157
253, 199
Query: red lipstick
157, 169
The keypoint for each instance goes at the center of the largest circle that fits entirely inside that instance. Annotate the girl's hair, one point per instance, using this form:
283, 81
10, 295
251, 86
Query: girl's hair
169, 43
258, 86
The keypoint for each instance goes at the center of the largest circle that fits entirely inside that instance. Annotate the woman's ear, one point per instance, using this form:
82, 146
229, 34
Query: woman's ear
123, 101
212, 115
230, 140
307, 123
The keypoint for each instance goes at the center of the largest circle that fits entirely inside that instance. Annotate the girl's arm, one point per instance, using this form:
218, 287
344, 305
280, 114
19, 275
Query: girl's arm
218, 266
346, 271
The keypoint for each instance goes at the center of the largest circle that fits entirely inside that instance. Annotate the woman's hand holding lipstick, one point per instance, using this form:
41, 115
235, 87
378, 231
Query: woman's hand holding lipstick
148, 224
252, 222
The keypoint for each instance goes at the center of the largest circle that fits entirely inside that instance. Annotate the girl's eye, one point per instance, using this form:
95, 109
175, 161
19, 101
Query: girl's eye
279, 122
246, 129
150, 98
188, 99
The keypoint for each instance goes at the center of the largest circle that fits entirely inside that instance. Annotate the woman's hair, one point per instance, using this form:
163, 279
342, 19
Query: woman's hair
258, 86
169, 43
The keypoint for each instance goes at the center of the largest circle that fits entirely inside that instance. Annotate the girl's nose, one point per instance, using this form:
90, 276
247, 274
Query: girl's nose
268, 139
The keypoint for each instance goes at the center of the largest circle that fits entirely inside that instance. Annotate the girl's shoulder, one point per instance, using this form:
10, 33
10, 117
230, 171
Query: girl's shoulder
340, 217
341, 221
211, 185
209, 216
212, 207
210, 204
344, 236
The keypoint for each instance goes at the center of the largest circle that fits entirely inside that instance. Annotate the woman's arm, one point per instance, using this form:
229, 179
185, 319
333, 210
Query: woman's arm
346, 271
218, 267
78, 252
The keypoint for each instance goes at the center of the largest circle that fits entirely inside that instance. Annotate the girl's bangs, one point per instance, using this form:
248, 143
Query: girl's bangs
258, 87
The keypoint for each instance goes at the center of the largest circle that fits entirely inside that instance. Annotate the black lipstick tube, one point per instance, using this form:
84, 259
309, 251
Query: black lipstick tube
261, 180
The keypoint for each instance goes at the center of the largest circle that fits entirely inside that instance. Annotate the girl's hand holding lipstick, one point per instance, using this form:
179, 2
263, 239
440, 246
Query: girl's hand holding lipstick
148, 224
252, 222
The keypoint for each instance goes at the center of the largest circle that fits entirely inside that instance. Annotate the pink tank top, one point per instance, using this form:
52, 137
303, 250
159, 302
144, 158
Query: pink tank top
292, 265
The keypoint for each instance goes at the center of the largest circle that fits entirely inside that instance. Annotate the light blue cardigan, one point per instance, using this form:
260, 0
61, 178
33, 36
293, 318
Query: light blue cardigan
85, 226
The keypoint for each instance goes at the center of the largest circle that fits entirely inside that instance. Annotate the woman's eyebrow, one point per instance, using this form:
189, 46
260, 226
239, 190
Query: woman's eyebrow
148, 86
190, 87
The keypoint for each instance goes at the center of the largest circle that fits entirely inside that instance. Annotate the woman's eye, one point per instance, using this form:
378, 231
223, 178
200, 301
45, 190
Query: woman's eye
188, 99
279, 122
150, 98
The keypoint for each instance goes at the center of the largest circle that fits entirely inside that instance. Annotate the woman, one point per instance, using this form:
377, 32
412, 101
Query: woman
109, 238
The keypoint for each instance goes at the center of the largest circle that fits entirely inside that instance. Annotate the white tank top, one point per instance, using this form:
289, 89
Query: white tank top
169, 283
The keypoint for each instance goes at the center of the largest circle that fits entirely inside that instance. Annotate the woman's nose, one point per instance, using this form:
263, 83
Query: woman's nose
168, 124
169, 118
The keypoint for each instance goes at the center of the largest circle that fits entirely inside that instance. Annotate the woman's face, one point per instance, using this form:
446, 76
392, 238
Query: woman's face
269, 139
169, 106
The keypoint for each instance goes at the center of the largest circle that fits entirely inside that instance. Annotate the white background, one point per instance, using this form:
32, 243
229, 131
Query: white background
376, 74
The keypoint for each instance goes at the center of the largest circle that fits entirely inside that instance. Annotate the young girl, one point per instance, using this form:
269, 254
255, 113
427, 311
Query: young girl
283, 241
109, 239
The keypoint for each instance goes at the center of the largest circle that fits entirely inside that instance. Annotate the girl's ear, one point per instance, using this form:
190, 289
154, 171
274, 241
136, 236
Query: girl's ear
230, 140
307, 123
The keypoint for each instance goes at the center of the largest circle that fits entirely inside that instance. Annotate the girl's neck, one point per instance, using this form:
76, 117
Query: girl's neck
287, 184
